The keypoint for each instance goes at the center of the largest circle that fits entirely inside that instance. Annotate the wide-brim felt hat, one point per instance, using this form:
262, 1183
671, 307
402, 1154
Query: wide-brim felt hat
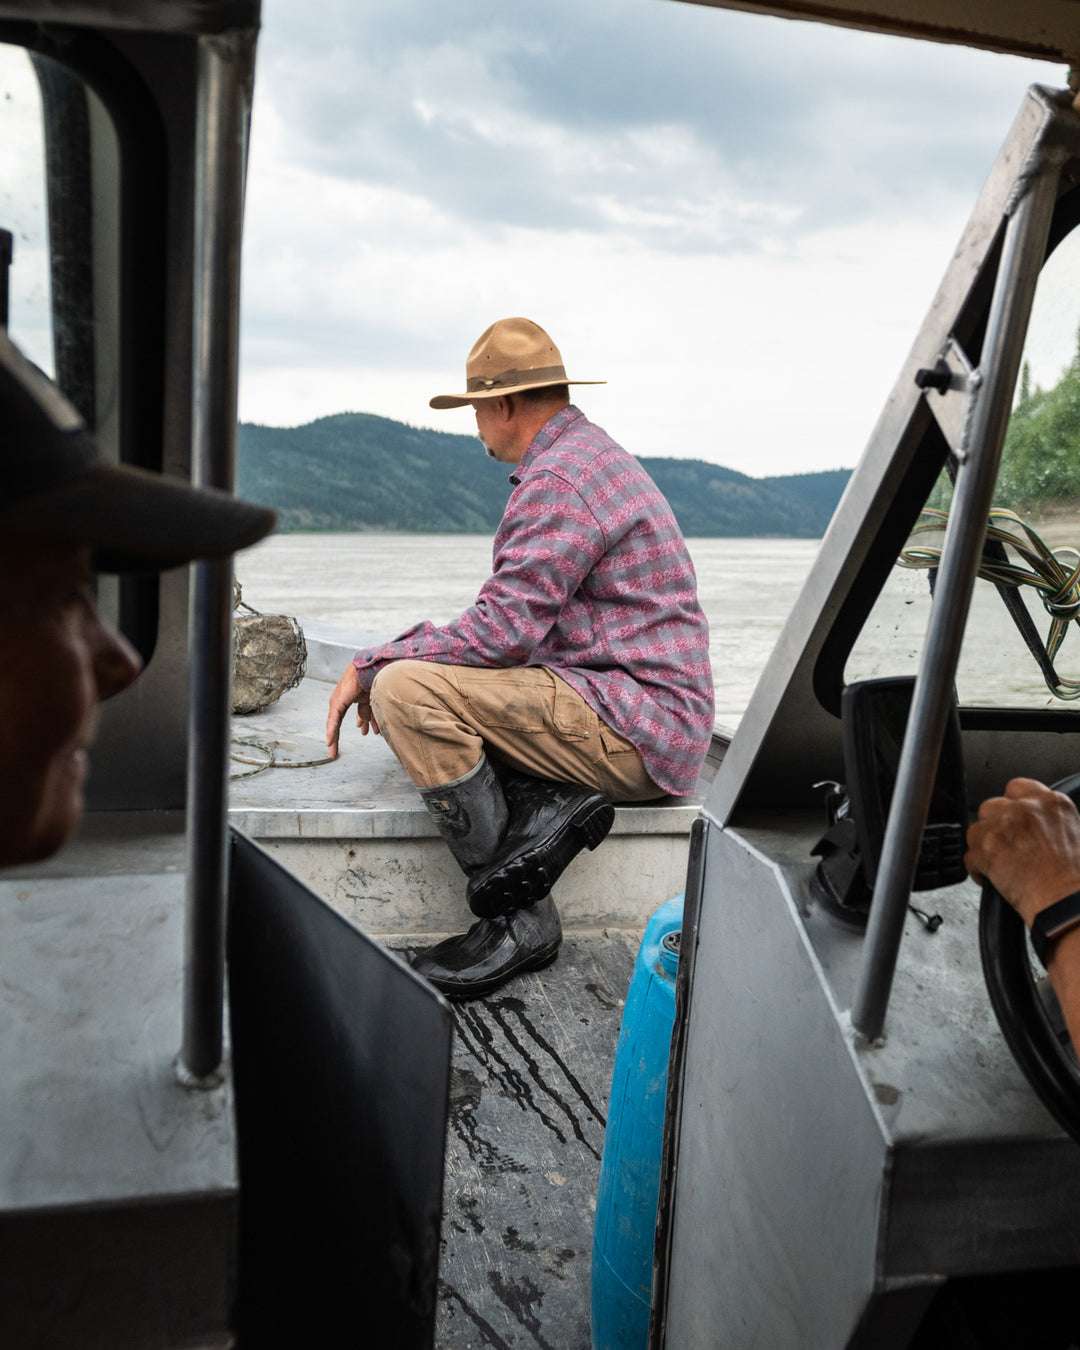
57, 486
510, 356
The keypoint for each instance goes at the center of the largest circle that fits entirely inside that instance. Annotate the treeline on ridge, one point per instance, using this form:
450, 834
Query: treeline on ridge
1040, 461
356, 471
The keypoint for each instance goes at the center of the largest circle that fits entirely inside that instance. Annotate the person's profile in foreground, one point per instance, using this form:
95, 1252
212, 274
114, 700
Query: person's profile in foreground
65, 514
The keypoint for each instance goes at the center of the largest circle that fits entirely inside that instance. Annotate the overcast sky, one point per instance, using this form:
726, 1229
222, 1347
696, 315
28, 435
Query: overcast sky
737, 221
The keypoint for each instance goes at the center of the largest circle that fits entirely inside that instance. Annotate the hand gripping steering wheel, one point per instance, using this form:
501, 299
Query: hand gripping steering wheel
1025, 1005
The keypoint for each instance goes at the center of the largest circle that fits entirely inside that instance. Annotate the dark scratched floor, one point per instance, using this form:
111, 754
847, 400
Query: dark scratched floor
531, 1076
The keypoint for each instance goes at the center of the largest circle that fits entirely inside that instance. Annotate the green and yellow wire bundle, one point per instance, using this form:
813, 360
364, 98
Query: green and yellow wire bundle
1054, 573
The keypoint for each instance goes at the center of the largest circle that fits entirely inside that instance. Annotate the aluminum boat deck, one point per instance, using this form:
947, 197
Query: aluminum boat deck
532, 1064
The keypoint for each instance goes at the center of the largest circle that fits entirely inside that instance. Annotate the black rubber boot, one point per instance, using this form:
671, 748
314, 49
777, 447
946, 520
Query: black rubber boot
471, 814
550, 823
492, 951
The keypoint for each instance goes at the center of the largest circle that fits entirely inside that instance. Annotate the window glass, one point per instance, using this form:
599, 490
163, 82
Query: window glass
1037, 510
23, 209
59, 199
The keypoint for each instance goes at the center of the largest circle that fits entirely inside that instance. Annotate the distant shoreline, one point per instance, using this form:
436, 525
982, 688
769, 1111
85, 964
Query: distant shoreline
356, 473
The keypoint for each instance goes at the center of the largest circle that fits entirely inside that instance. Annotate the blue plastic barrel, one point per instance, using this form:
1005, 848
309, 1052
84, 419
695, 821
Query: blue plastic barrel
630, 1168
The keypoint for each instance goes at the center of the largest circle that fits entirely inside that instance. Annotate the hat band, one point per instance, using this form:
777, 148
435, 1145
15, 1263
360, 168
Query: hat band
508, 378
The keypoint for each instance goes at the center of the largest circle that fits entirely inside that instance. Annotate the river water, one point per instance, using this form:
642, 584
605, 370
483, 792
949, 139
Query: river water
381, 583
373, 586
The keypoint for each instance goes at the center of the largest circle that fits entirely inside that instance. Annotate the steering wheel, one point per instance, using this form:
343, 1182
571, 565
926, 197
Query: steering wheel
1025, 1004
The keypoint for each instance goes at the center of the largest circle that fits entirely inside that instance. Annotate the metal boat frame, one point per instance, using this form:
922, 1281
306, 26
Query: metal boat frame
842, 1144
837, 1158
192, 1150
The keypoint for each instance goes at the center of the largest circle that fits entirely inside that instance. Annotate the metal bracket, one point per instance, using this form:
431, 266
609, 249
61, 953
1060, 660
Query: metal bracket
952, 389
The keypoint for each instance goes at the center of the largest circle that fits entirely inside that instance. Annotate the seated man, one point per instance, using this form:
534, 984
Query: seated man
64, 513
579, 677
1027, 844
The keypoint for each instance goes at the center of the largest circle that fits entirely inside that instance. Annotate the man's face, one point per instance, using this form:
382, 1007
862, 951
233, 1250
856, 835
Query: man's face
58, 660
492, 429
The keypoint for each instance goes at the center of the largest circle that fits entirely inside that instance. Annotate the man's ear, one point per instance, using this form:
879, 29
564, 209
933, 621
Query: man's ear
508, 404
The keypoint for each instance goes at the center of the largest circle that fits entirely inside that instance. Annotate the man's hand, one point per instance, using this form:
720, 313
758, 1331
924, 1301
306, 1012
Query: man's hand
348, 691
1027, 844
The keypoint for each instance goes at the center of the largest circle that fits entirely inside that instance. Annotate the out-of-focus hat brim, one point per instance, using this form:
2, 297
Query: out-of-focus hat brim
137, 521
56, 485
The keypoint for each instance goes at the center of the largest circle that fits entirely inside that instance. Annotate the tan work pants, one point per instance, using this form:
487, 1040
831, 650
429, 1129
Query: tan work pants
439, 719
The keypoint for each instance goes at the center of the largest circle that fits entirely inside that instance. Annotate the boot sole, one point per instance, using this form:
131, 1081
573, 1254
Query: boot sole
529, 876
459, 993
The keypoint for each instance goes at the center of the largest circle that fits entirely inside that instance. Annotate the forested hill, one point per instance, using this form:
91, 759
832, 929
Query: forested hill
355, 471
1040, 462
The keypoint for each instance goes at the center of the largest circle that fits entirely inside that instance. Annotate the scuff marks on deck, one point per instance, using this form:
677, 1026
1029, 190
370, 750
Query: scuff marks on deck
532, 1072
505, 1038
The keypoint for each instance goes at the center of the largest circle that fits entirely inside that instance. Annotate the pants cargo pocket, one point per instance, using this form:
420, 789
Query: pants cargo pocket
571, 716
506, 700
621, 771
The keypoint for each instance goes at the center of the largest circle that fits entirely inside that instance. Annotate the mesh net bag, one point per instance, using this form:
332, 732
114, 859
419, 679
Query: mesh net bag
269, 657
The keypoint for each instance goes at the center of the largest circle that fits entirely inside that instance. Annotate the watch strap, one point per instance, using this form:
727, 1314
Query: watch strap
1053, 922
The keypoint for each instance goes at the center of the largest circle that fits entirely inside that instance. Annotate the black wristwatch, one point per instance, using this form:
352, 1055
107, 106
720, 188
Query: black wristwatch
1053, 922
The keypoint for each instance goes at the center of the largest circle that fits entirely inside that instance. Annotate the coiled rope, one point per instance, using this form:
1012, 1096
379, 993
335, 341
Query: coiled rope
1053, 573
271, 650
270, 760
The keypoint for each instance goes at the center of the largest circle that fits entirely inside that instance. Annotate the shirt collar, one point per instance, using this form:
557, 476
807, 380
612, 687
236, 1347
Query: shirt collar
545, 438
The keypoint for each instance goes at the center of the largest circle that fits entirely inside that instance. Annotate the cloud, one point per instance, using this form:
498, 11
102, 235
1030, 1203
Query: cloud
738, 221
22, 206
703, 127
715, 357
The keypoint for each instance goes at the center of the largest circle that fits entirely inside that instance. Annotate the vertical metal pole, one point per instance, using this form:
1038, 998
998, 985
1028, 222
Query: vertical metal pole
1022, 257
224, 69
6, 241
